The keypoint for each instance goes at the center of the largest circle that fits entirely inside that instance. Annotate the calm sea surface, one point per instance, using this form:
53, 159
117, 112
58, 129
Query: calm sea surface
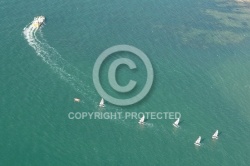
201, 58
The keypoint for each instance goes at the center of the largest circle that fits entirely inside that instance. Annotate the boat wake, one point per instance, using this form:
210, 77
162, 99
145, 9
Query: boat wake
50, 56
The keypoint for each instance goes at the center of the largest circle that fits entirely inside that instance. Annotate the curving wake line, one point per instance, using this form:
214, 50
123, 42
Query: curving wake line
61, 67
50, 56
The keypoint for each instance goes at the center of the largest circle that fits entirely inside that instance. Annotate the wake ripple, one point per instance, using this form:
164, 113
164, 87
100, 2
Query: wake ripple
50, 56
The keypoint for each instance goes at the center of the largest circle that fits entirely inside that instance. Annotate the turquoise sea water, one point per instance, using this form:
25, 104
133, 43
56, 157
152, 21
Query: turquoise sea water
201, 58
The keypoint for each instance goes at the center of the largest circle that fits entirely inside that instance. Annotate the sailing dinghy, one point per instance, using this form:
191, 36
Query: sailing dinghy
215, 135
101, 104
176, 123
141, 121
198, 141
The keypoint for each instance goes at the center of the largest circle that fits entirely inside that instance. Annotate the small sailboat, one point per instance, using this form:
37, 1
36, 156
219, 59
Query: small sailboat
198, 141
101, 104
141, 121
215, 135
176, 123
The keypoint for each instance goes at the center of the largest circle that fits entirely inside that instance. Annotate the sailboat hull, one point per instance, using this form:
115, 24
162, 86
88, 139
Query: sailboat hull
197, 144
176, 125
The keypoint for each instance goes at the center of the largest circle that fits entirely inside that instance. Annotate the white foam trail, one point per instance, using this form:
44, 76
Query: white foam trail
50, 56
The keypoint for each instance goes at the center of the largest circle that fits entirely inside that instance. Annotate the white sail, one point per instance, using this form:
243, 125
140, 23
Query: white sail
215, 135
141, 121
101, 104
198, 141
176, 123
